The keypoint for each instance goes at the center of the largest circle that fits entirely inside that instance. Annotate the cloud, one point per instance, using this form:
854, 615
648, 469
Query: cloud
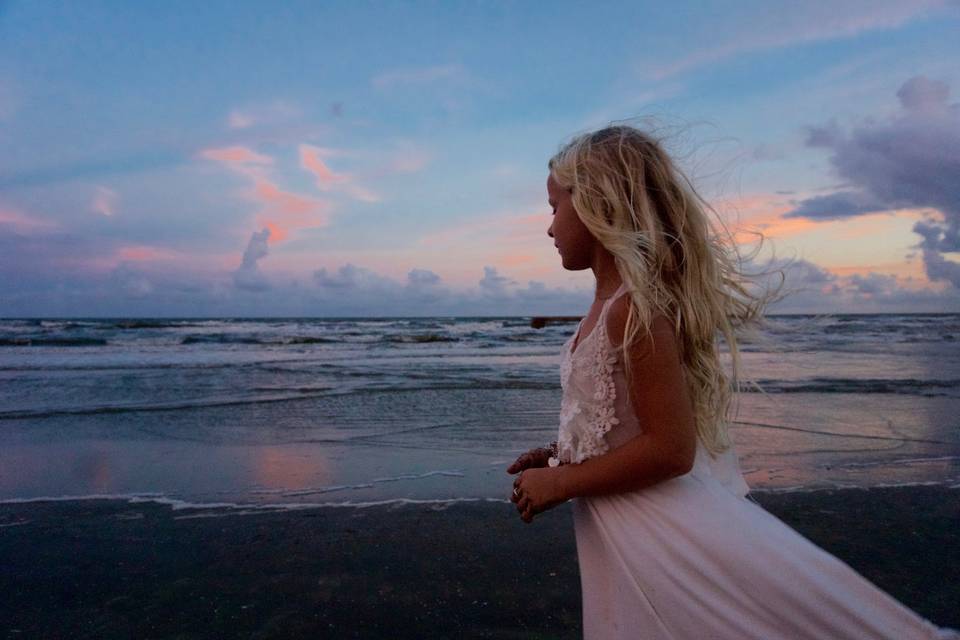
246, 117
423, 278
283, 201
752, 212
310, 160
131, 282
837, 206
922, 94
248, 276
493, 284
356, 290
22, 223
811, 288
236, 156
240, 159
803, 23
910, 161
280, 211
799, 276
766, 152
939, 268
824, 136
104, 201
424, 286
873, 283
328, 180
352, 278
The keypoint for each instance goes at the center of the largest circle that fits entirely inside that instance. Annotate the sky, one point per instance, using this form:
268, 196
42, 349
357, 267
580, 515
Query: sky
343, 159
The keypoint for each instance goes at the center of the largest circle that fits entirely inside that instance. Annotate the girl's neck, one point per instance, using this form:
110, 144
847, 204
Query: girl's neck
607, 296
606, 274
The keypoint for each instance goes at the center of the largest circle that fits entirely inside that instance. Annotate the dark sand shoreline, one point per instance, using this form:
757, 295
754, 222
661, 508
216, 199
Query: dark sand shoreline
112, 569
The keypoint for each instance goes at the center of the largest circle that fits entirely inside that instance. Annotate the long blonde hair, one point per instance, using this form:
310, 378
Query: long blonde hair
644, 210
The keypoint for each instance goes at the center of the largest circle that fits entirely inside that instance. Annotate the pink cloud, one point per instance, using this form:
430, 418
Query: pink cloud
285, 202
310, 160
327, 179
284, 211
104, 201
245, 117
24, 223
906, 273
761, 212
280, 211
236, 155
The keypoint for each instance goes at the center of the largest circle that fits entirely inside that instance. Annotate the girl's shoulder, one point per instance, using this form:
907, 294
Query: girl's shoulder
616, 322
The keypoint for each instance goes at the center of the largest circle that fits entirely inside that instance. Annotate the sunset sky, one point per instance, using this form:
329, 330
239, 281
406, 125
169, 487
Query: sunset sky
389, 159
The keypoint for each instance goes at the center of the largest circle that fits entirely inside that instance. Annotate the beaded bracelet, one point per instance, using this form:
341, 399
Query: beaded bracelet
554, 460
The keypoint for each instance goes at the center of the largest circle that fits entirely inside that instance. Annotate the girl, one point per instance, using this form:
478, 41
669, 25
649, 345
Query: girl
668, 544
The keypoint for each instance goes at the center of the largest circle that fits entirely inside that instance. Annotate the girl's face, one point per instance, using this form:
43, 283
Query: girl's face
572, 239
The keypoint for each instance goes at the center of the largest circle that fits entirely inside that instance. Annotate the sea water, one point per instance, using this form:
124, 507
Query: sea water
357, 411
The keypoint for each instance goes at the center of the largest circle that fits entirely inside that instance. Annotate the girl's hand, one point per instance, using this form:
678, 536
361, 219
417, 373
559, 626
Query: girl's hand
536, 490
533, 459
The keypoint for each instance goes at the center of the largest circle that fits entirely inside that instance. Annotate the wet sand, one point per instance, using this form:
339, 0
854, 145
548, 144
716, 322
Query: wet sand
112, 569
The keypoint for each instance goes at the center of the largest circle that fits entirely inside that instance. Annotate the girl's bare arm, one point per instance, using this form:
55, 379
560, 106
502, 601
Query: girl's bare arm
667, 446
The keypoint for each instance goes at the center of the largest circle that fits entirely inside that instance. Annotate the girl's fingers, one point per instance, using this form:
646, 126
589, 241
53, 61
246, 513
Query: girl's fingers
520, 463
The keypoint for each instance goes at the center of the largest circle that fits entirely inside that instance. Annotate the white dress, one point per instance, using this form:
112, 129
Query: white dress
692, 558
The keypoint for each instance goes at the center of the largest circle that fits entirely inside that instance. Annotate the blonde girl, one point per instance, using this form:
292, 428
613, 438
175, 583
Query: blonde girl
668, 543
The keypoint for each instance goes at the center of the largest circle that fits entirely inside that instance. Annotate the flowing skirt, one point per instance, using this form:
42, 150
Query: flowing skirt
689, 559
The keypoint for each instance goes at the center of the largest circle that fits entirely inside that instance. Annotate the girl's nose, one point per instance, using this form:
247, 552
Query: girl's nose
550, 230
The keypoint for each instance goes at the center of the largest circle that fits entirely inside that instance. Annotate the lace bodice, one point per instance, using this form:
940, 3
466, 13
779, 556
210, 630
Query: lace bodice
596, 414
595, 397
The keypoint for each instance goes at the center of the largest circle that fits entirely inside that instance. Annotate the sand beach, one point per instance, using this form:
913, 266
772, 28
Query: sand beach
116, 569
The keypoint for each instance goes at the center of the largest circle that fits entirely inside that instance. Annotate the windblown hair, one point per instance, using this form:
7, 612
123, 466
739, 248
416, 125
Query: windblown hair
644, 210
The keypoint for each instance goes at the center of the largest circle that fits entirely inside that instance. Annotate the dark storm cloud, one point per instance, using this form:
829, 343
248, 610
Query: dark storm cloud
494, 284
842, 204
910, 161
351, 278
248, 277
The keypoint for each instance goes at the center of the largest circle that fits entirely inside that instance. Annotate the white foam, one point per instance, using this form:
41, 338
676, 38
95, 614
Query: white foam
234, 508
840, 486
880, 463
94, 496
438, 504
456, 473
411, 476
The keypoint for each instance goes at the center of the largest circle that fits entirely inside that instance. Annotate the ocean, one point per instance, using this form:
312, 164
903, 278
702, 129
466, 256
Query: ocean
363, 411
